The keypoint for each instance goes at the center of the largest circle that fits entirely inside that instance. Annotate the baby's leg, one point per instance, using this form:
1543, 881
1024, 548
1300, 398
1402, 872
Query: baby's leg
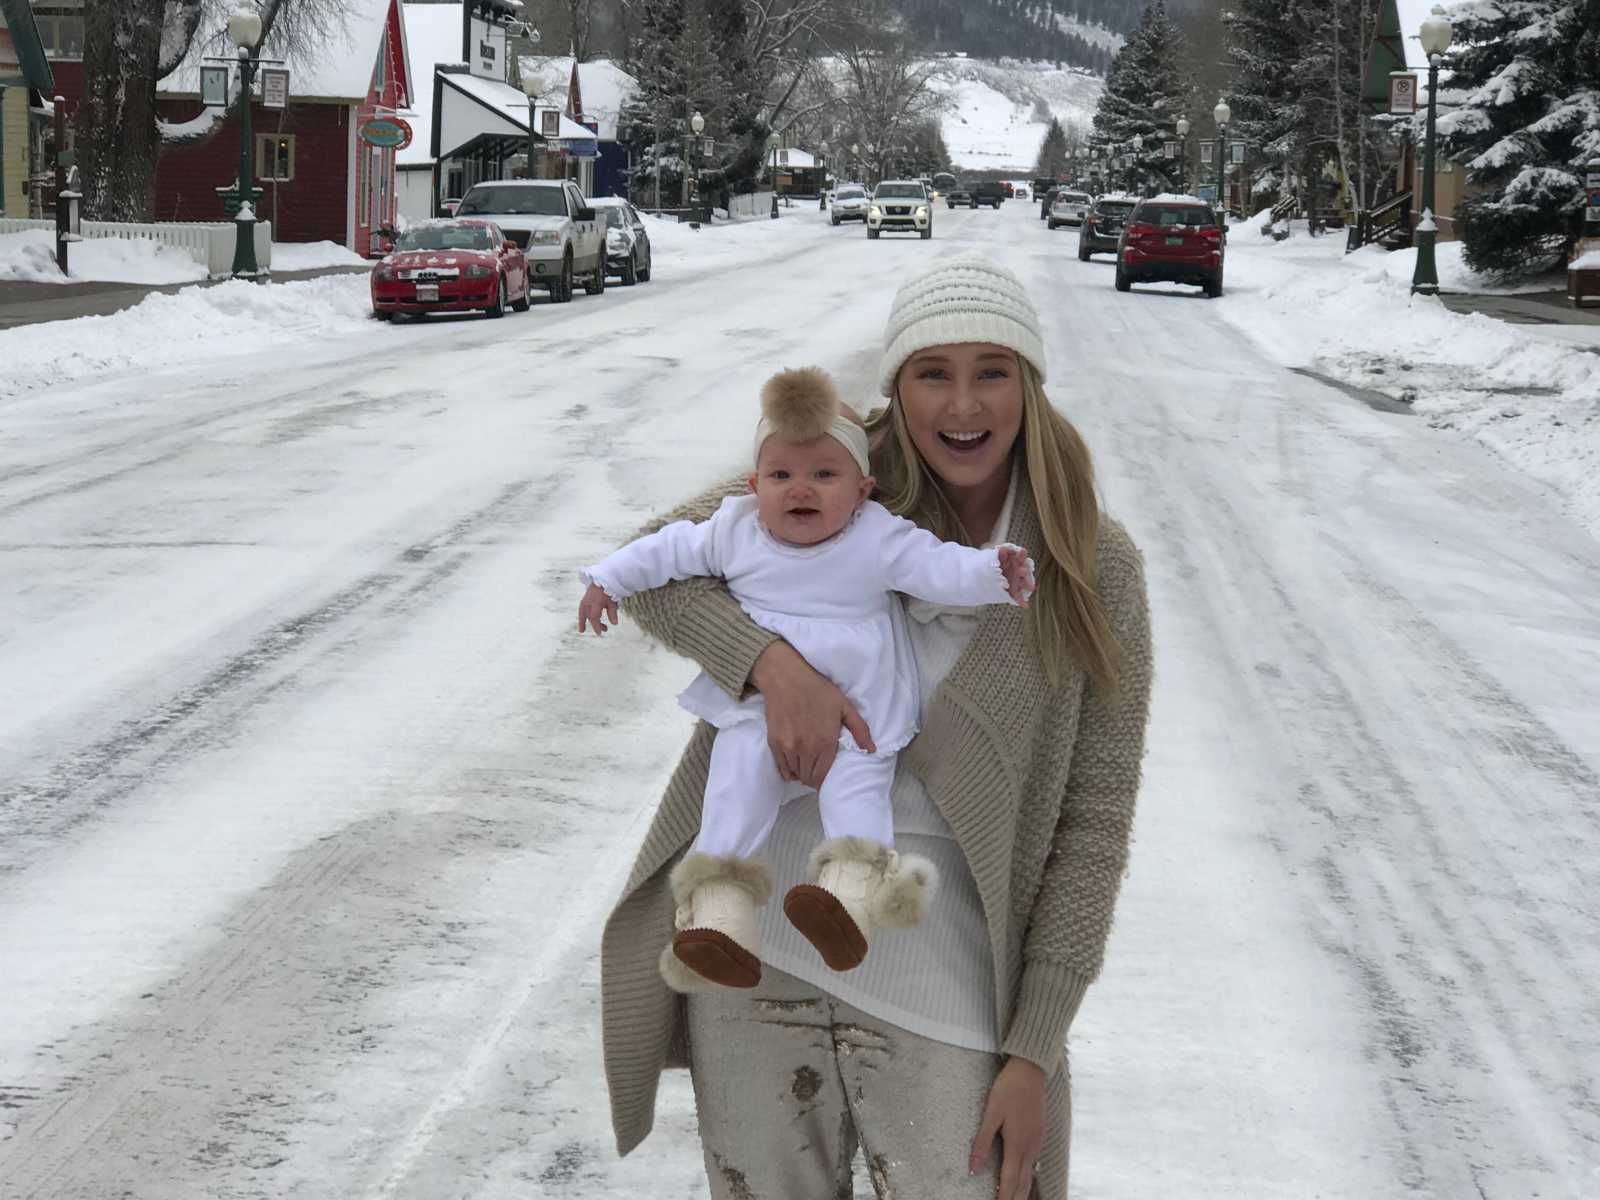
854, 798
743, 792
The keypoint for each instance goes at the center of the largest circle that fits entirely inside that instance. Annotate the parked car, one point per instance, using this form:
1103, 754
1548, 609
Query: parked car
960, 193
1068, 208
627, 240
1172, 239
850, 204
1008, 188
1102, 225
900, 206
943, 184
1019, 191
988, 192
1046, 195
559, 232
450, 266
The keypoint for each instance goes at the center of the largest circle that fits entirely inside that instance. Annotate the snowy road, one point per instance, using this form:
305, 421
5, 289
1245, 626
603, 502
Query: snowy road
311, 802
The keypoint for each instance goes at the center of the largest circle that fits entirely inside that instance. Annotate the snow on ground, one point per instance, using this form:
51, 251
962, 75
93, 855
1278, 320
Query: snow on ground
998, 112
1531, 399
312, 256
30, 256
312, 802
195, 324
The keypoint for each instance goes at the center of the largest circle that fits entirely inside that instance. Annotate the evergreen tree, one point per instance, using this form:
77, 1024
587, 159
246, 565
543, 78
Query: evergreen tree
1145, 94
1052, 160
1524, 115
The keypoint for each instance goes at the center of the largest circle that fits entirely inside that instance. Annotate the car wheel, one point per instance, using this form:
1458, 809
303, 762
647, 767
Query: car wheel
927, 233
498, 308
1083, 253
834, 220
595, 285
872, 233
382, 316
561, 285
1123, 282
630, 271
1214, 288
525, 301
646, 270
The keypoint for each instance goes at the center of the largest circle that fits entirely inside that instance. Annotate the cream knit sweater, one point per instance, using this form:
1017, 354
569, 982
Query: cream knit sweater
1037, 782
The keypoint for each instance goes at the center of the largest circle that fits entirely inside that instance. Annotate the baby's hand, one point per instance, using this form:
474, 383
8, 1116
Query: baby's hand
595, 605
1018, 568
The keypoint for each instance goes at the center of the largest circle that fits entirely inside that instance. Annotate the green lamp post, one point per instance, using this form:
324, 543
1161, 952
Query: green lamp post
244, 29
1183, 154
1436, 34
530, 89
1222, 114
772, 144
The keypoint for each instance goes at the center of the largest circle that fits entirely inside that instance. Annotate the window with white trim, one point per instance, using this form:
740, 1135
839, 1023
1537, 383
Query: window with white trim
274, 157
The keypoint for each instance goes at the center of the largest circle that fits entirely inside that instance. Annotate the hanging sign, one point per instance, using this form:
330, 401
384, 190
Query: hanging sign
390, 132
1402, 93
1236, 152
549, 123
275, 88
1591, 185
214, 87
1169, 149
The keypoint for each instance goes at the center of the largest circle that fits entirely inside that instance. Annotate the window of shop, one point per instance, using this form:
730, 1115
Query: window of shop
274, 157
375, 188
60, 28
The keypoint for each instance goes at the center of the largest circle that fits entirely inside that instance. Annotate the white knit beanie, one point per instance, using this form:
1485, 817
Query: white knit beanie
962, 299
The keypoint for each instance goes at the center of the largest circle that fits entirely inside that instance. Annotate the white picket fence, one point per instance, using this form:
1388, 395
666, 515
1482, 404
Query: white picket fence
208, 243
750, 204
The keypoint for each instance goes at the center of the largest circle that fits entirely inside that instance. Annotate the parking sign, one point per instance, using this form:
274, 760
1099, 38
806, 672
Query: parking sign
1402, 93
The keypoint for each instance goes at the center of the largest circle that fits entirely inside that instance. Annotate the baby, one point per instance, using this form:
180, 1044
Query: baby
812, 559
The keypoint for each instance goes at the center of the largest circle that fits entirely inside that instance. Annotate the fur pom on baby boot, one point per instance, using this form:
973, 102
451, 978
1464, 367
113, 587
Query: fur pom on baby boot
718, 938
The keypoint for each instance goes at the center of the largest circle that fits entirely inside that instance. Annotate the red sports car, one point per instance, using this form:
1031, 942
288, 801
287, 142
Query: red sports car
451, 266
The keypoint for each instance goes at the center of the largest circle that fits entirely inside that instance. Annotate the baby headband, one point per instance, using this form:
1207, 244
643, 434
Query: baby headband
803, 405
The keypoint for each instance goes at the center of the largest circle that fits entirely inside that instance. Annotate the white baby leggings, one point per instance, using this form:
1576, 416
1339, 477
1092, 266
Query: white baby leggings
744, 793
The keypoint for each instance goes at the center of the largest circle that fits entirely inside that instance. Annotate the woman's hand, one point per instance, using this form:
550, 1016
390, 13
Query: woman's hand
595, 605
1016, 1112
805, 711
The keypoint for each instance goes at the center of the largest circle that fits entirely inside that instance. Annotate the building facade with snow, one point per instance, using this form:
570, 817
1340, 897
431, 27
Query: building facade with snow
325, 164
26, 86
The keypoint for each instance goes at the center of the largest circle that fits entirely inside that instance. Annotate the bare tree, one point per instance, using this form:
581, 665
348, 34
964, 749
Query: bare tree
129, 46
885, 97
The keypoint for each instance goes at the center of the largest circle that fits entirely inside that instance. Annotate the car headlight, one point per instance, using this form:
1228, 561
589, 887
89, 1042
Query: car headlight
873, 211
383, 271
922, 210
478, 271
544, 237
615, 241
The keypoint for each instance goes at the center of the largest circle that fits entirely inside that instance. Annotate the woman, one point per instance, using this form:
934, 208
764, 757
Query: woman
1021, 785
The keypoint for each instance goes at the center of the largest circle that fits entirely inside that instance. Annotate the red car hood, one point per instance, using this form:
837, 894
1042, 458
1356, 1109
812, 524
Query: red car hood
408, 260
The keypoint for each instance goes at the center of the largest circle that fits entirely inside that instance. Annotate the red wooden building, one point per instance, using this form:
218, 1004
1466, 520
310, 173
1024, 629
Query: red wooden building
320, 180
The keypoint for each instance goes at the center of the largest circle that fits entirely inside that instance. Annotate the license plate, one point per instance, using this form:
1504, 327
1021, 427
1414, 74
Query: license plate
1175, 241
427, 291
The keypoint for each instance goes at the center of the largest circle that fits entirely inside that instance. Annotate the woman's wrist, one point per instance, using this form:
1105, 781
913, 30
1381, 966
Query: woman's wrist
771, 663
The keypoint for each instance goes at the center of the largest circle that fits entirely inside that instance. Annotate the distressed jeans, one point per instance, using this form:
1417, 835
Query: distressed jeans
789, 1081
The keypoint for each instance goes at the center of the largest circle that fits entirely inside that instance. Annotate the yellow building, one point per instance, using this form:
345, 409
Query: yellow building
25, 83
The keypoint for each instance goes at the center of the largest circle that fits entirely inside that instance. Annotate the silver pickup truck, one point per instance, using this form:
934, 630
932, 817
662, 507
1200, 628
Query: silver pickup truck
562, 237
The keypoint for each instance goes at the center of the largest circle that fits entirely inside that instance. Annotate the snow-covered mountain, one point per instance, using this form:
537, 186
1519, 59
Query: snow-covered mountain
997, 112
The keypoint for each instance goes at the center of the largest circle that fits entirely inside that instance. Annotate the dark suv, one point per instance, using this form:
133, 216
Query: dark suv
961, 193
990, 192
1102, 226
1178, 240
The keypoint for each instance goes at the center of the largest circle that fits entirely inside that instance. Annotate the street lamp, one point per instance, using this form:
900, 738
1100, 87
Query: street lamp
822, 176
1222, 114
244, 28
697, 123
1436, 33
772, 144
1136, 174
530, 89
1183, 154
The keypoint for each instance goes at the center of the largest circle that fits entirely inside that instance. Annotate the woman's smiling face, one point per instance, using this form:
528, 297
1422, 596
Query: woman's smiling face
963, 408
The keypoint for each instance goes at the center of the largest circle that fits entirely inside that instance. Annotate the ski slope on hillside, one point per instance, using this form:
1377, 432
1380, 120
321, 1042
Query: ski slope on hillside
997, 113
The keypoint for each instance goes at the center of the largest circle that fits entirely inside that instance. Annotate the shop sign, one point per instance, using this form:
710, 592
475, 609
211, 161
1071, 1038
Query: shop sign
390, 132
275, 88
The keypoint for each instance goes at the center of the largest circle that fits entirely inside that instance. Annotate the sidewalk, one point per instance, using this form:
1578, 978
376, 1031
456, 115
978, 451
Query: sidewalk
33, 303
1528, 308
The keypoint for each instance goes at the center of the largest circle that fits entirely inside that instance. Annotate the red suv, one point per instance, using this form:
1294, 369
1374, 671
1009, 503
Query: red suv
1175, 239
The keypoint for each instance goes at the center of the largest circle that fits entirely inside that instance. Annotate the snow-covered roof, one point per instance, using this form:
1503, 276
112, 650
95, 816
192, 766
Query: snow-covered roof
795, 158
433, 35
488, 106
605, 86
1177, 198
338, 67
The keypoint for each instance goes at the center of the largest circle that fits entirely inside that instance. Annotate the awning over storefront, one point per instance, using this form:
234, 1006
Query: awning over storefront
469, 109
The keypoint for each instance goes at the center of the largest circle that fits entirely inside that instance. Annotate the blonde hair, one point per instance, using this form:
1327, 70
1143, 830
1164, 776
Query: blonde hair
1067, 618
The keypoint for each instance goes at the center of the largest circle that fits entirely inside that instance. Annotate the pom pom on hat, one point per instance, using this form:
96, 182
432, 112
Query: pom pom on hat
799, 405
961, 299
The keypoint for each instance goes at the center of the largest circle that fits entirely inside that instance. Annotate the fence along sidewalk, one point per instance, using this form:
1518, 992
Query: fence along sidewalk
209, 243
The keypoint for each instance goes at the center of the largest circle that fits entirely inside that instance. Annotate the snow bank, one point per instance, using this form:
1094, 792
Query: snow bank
313, 256
1533, 400
163, 330
30, 257
1455, 275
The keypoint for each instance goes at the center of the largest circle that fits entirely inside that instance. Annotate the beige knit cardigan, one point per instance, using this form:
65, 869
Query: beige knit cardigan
1037, 782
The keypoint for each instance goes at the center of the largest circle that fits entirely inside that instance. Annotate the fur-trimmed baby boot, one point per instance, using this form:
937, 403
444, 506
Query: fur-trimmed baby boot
858, 884
718, 938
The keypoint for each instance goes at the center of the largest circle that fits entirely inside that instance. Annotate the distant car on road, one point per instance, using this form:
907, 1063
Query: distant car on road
1068, 208
559, 232
1175, 239
943, 184
960, 193
627, 240
850, 203
900, 206
1102, 226
989, 192
450, 266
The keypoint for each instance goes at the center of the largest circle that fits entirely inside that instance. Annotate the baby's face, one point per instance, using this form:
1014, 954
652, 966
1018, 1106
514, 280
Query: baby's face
807, 491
